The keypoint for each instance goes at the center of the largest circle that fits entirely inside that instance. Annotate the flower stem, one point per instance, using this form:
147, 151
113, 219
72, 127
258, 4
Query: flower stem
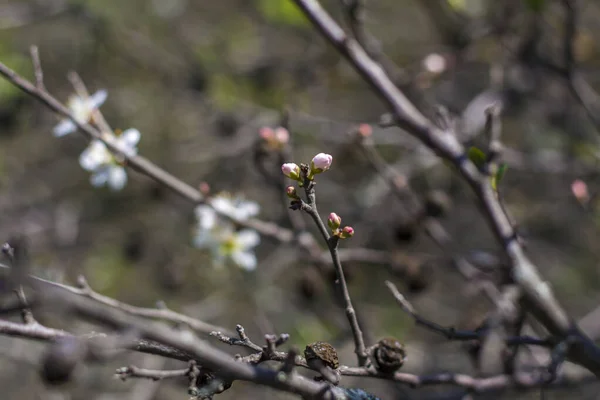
332, 244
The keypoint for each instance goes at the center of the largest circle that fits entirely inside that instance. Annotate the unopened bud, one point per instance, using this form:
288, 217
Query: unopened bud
291, 170
365, 130
334, 221
291, 192
321, 163
347, 232
266, 133
580, 191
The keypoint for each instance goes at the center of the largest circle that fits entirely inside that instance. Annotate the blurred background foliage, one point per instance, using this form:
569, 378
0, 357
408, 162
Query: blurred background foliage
200, 78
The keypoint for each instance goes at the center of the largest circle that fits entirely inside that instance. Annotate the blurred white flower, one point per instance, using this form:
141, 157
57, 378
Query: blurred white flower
225, 244
238, 247
82, 109
219, 236
105, 167
236, 207
435, 63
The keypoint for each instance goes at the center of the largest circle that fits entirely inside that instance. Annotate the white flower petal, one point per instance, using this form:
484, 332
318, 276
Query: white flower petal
130, 138
97, 99
244, 259
117, 177
207, 218
99, 177
223, 205
247, 209
64, 127
248, 238
236, 208
93, 156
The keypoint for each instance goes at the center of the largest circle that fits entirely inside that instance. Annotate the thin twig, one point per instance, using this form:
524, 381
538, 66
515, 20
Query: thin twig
460, 335
332, 244
243, 340
37, 68
155, 374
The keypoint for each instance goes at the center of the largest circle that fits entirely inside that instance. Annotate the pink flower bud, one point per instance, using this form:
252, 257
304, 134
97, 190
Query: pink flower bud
580, 191
291, 170
266, 133
347, 232
282, 135
365, 130
321, 162
334, 221
291, 192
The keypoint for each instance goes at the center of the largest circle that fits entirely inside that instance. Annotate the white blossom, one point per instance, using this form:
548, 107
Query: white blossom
219, 235
82, 110
105, 168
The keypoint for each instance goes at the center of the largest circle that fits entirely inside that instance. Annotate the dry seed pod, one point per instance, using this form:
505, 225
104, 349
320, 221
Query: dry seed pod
389, 354
322, 351
323, 357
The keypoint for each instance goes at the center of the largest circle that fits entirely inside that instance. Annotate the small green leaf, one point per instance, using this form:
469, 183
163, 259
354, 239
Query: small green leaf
535, 5
498, 176
477, 157
284, 12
